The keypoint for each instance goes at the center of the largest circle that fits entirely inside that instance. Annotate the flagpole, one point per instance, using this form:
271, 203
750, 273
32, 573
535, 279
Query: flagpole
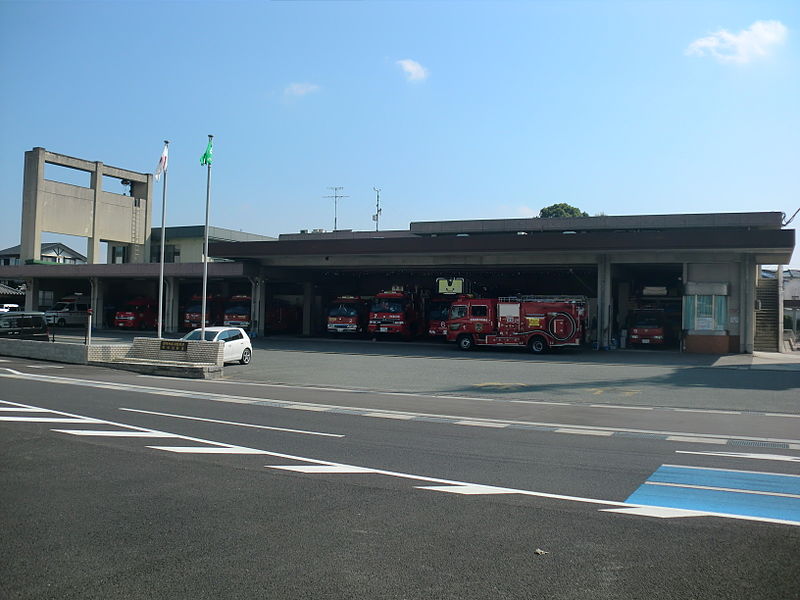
205, 247
163, 239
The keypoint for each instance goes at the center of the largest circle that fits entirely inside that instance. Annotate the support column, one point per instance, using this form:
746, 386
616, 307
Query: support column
748, 310
171, 295
779, 275
97, 302
32, 294
257, 292
93, 244
308, 303
604, 303
31, 234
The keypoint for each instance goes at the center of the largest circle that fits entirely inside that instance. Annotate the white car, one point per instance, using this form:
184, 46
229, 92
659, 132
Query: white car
237, 343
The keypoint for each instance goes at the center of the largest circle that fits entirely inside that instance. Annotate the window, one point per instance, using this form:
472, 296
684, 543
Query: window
458, 312
480, 311
705, 312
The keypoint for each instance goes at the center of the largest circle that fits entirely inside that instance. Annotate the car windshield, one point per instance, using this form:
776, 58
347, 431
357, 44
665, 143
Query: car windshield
343, 310
458, 312
194, 308
388, 306
237, 310
195, 335
62, 306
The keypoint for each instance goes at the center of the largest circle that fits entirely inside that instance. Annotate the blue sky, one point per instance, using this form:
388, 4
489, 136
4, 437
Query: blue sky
455, 109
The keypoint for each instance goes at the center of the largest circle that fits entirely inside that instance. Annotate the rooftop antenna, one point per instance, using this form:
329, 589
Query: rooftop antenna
376, 217
336, 195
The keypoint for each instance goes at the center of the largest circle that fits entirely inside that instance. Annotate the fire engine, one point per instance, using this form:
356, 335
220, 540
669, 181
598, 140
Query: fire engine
397, 313
193, 312
437, 311
646, 327
348, 314
237, 312
139, 313
538, 322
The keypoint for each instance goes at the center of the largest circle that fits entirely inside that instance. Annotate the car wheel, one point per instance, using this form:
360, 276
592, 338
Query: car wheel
537, 345
465, 342
246, 355
61, 323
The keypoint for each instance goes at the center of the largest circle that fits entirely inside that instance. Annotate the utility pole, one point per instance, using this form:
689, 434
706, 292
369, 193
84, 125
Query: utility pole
336, 195
376, 217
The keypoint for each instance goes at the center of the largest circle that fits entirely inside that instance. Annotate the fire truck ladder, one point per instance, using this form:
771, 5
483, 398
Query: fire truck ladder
574, 299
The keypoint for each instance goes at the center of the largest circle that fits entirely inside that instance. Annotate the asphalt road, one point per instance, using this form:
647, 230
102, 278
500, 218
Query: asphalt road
322, 490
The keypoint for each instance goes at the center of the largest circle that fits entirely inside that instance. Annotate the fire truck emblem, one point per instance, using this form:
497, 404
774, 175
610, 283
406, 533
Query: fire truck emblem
478, 326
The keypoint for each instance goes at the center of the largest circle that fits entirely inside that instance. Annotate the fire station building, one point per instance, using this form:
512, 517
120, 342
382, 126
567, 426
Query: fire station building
702, 272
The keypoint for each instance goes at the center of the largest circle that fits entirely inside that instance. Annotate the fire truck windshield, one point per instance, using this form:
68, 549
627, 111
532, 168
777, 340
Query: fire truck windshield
439, 311
388, 306
194, 308
343, 310
239, 309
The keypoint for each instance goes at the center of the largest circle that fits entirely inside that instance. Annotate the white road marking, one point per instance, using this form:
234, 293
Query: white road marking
399, 417
103, 433
781, 457
322, 469
468, 490
721, 489
482, 424
44, 366
12, 409
584, 431
227, 449
252, 425
49, 420
696, 439
654, 511
312, 406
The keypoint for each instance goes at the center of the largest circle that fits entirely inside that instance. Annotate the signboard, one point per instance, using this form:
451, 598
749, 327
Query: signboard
174, 345
450, 286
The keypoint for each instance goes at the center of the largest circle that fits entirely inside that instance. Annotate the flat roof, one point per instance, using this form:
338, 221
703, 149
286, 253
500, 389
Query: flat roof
214, 233
127, 271
748, 220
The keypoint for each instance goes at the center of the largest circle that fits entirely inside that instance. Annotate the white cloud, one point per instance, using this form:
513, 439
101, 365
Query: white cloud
413, 70
300, 89
742, 47
526, 211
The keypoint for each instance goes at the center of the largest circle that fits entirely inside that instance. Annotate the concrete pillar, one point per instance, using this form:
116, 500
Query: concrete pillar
779, 275
33, 179
257, 305
171, 297
93, 244
97, 303
308, 303
604, 302
748, 309
32, 294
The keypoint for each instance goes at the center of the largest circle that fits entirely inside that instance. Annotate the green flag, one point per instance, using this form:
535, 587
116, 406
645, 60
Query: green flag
206, 158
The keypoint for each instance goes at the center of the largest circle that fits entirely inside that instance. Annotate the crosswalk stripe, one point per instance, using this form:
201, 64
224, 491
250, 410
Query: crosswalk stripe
321, 469
102, 433
50, 420
209, 449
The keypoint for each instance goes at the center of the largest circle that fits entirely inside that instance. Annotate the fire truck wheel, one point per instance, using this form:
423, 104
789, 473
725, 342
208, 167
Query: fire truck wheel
537, 345
245, 360
465, 342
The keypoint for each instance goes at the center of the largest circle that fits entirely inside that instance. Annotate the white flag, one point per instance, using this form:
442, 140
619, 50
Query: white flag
162, 162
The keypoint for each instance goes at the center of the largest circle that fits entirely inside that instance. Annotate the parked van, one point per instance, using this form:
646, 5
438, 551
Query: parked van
70, 310
18, 325
9, 308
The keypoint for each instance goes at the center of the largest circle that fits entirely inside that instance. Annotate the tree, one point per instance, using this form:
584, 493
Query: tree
561, 211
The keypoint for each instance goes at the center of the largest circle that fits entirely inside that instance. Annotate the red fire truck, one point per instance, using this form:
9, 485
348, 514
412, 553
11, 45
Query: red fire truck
437, 312
282, 317
646, 327
538, 322
138, 313
348, 314
396, 313
194, 311
237, 312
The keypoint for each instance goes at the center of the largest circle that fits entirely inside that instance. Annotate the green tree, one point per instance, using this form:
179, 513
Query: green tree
562, 210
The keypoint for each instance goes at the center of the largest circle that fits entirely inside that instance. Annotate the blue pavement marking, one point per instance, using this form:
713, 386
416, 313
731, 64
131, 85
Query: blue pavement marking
764, 499
737, 480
